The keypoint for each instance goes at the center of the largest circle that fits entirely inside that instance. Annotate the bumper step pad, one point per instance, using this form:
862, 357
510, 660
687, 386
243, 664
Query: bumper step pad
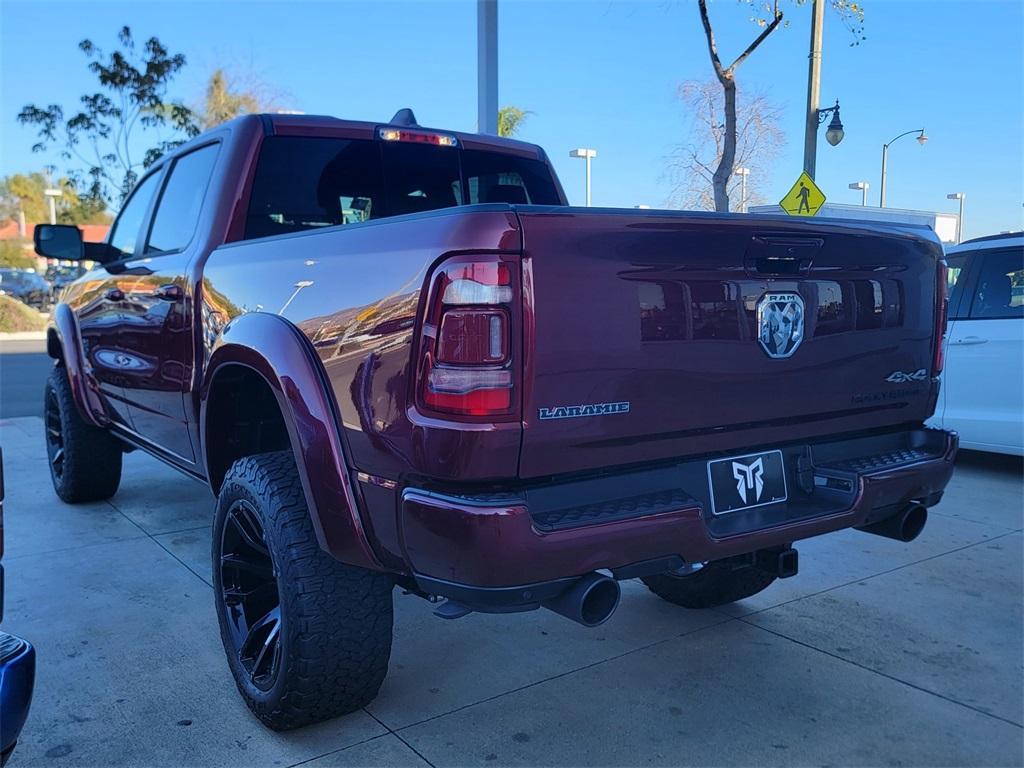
881, 461
610, 511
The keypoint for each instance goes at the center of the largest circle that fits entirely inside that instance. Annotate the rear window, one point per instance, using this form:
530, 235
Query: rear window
307, 182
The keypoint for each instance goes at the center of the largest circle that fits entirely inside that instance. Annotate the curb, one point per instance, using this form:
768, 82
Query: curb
23, 336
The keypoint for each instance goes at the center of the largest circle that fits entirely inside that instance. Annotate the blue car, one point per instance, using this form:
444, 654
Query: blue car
17, 667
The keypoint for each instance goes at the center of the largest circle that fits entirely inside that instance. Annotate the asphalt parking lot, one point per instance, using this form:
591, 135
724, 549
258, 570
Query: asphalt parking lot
878, 653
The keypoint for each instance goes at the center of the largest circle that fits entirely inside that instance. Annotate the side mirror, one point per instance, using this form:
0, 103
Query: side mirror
58, 241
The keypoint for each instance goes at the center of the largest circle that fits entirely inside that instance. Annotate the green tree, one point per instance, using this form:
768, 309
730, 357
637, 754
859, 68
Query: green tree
25, 193
16, 254
768, 20
100, 140
511, 119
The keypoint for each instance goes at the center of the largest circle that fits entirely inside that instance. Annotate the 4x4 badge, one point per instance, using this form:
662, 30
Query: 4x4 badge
899, 377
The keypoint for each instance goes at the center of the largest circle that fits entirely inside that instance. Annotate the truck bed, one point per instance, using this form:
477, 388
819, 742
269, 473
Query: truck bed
640, 338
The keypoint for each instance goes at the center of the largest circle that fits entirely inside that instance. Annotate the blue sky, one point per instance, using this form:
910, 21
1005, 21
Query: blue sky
595, 73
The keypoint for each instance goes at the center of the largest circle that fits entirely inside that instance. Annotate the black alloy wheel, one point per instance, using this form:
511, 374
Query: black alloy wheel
251, 602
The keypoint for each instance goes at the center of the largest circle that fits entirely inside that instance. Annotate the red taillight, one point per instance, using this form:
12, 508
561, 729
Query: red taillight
467, 362
941, 312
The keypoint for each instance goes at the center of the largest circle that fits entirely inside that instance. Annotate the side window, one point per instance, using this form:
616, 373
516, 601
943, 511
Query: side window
999, 291
129, 221
177, 213
954, 285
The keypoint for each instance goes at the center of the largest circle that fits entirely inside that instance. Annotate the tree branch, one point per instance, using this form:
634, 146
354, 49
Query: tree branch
760, 39
712, 45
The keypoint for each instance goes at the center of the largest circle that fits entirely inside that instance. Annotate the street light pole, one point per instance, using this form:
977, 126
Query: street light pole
961, 196
51, 196
921, 139
487, 66
743, 173
863, 187
813, 88
587, 155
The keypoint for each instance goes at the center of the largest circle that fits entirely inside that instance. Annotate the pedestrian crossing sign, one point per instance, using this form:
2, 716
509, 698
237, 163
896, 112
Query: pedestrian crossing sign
804, 199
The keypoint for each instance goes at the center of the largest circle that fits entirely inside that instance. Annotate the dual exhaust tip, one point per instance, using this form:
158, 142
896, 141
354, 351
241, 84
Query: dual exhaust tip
593, 598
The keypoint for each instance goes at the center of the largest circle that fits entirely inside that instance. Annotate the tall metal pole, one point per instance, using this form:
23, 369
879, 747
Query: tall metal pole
864, 195
813, 88
885, 161
960, 221
960, 224
487, 66
743, 192
588, 181
921, 139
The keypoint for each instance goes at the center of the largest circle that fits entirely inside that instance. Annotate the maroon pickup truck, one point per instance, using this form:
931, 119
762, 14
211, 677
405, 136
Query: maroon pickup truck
398, 357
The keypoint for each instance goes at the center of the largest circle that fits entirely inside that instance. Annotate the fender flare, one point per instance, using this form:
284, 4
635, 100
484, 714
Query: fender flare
64, 344
277, 351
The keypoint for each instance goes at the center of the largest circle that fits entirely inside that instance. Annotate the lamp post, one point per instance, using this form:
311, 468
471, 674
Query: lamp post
487, 66
833, 135
743, 173
960, 221
587, 155
815, 117
51, 197
298, 287
863, 187
922, 139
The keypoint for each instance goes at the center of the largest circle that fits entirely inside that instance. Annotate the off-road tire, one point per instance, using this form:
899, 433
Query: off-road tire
335, 619
717, 583
85, 460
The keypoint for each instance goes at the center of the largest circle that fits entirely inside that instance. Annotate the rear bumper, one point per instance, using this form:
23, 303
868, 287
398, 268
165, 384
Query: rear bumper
494, 548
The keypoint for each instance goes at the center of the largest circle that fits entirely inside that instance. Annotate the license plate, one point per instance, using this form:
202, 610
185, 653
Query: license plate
745, 482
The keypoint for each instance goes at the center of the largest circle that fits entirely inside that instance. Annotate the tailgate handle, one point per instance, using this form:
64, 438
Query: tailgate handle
781, 255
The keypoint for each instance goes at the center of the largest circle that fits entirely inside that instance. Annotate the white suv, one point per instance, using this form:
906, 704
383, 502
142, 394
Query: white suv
982, 393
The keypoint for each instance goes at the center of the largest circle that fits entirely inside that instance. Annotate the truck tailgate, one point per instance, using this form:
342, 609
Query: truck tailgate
664, 335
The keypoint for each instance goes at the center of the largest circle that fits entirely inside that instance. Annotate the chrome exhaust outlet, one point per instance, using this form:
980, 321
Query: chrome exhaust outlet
590, 601
903, 526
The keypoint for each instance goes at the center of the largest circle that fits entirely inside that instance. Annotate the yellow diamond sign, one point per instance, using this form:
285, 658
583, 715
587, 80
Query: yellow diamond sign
804, 199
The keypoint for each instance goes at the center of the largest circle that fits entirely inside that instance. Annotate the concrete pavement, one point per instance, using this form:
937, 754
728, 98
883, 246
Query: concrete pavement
877, 653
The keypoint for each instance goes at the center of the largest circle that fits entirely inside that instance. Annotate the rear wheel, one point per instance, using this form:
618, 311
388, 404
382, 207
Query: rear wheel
85, 461
709, 585
307, 637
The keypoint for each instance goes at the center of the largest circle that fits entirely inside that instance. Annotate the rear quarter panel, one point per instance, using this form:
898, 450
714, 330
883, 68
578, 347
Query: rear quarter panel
354, 292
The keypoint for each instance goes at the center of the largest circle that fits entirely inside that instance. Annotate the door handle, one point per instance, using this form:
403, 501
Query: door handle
967, 341
170, 292
114, 294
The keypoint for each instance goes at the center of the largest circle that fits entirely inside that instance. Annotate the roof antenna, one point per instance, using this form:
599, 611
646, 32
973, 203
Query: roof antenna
404, 116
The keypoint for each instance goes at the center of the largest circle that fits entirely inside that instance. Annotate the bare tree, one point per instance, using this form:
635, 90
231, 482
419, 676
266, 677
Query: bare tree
230, 95
851, 13
693, 164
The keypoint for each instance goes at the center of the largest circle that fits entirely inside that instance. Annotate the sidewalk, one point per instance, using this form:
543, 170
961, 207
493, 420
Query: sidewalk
878, 653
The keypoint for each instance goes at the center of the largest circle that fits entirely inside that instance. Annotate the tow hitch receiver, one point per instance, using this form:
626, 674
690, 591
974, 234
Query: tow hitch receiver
783, 563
